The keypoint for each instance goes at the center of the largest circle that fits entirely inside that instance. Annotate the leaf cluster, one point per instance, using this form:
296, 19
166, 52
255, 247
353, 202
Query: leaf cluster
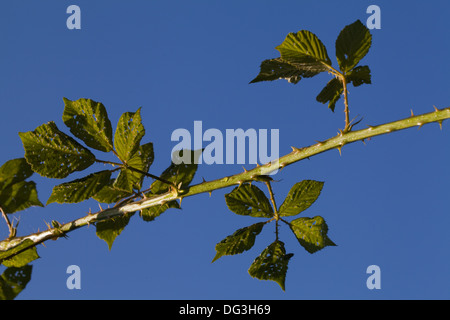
303, 55
249, 200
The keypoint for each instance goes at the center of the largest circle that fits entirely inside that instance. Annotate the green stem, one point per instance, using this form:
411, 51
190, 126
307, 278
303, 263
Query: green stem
337, 142
346, 109
136, 170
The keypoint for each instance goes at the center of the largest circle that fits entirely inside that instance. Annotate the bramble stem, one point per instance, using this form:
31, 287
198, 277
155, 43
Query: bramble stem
136, 170
275, 210
8, 223
346, 109
337, 142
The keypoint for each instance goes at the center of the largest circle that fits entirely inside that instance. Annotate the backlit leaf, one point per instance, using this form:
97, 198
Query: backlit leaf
88, 121
108, 194
21, 259
13, 281
19, 196
306, 52
52, 153
359, 76
127, 180
275, 69
240, 241
331, 93
352, 45
25, 244
271, 264
311, 233
179, 171
249, 200
151, 213
13, 171
128, 135
80, 189
108, 230
301, 196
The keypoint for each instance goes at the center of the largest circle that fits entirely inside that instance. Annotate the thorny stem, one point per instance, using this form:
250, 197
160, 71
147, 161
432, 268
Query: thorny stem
12, 231
346, 109
122, 165
337, 142
341, 76
272, 199
275, 210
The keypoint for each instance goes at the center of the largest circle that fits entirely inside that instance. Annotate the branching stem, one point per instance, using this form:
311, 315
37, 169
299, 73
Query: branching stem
298, 154
121, 165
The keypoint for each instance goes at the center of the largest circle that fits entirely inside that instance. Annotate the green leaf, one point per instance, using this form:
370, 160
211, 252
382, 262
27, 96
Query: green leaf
13, 281
271, 264
151, 213
301, 196
352, 45
22, 258
14, 171
359, 76
88, 121
306, 52
331, 93
241, 240
108, 230
128, 134
275, 69
249, 200
108, 194
19, 196
142, 159
24, 245
179, 171
80, 189
311, 233
53, 154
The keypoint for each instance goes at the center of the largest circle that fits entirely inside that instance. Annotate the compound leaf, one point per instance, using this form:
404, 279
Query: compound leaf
311, 233
248, 199
80, 189
142, 159
241, 240
88, 121
271, 264
301, 196
352, 45
52, 153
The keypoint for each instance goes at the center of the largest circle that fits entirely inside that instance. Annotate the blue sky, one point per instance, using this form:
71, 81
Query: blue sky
385, 203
